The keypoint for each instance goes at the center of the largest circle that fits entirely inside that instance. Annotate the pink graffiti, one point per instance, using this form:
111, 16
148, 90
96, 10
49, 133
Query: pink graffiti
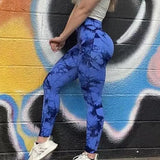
154, 69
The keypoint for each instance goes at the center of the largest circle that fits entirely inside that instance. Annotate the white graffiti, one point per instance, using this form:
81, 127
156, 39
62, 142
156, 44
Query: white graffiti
135, 25
25, 113
123, 69
44, 33
11, 128
118, 136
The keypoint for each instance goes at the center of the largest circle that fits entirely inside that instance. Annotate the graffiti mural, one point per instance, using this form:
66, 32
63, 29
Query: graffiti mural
131, 96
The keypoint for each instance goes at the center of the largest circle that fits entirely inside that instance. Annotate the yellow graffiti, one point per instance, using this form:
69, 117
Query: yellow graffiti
20, 68
20, 65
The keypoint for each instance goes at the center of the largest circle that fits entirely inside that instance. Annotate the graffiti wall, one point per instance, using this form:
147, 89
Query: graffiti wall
131, 95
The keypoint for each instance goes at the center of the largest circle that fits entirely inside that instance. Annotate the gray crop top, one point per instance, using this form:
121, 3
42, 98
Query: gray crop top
99, 12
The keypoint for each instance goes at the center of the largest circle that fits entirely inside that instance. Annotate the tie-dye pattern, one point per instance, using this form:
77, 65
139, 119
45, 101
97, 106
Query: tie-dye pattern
87, 61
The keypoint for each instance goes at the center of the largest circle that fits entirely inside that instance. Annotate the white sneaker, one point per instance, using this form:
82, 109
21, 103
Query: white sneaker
84, 156
41, 150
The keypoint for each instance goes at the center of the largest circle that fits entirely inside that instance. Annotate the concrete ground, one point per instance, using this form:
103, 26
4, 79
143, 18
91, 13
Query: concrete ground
147, 158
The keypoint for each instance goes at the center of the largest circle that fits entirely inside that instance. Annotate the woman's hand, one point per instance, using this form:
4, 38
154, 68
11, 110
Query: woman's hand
57, 43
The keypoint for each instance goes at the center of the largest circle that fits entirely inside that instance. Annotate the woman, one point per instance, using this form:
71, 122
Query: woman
87, 61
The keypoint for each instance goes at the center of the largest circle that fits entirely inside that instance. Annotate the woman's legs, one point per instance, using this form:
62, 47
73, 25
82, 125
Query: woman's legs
92, 71
64, 70
96, 50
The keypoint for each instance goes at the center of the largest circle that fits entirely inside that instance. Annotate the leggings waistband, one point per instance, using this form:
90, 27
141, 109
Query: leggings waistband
91, 22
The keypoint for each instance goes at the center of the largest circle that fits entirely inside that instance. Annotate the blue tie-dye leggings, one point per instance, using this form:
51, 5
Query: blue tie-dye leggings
87, 61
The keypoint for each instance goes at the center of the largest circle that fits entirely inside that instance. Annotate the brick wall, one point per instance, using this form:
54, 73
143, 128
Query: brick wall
131, 93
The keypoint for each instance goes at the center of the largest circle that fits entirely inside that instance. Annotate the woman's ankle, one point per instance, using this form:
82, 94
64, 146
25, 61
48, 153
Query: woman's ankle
91, 155
42, 139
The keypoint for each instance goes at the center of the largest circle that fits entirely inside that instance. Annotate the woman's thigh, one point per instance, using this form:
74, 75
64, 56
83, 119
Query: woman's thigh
65, 70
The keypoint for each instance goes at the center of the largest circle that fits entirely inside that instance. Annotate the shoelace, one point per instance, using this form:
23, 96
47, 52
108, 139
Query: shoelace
37, 149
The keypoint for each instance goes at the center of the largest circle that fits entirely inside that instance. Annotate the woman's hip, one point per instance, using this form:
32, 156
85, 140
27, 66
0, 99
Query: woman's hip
90, 36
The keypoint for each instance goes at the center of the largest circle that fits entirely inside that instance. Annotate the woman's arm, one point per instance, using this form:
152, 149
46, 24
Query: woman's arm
79, 13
